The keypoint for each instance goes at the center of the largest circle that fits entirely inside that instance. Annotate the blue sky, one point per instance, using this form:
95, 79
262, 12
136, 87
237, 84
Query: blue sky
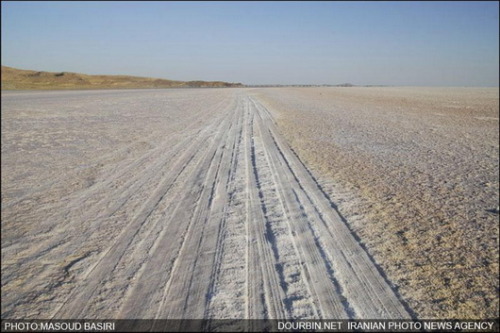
390, 43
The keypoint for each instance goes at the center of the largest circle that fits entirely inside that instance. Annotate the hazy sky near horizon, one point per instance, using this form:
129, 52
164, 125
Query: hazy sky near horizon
388, 43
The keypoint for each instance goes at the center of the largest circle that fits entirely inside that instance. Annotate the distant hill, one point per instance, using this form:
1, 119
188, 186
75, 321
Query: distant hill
13, 78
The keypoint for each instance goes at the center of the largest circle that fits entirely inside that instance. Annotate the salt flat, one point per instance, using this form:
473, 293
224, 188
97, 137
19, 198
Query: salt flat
170, 204
191, 203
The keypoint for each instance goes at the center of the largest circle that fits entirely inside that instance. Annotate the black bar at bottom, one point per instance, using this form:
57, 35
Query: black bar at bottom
242, 325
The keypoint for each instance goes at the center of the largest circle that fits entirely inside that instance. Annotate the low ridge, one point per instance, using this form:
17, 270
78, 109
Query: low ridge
13, 79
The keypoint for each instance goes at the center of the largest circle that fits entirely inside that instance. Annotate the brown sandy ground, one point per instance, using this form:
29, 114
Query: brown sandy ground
415, 171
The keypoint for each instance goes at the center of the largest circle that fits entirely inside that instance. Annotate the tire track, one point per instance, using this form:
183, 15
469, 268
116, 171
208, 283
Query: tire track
359, 280
108, 261
309, 273
228, 278
164, 254
265, 296
186, 291
278, 234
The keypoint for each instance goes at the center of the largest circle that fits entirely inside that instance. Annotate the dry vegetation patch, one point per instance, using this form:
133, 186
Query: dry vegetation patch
15, 79
415, 173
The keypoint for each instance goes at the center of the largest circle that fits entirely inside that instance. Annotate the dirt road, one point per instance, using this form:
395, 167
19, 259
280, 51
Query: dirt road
218, 219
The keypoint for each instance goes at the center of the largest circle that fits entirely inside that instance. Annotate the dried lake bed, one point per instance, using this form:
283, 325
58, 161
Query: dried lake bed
250, 203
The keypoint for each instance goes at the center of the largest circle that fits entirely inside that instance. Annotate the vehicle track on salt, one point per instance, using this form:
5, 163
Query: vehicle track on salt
226, 223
